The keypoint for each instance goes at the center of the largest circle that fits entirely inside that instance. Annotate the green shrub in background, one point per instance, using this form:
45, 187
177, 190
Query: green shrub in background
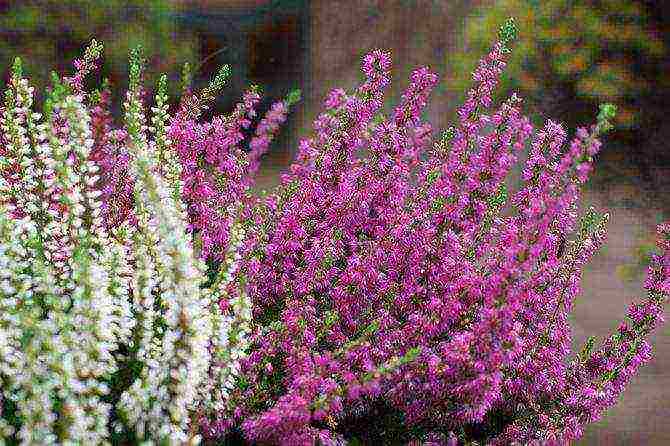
594, 51
50, 32
643, 249
634, 270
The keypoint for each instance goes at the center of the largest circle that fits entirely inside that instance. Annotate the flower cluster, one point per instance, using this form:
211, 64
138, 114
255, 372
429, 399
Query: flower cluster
396, 287
108, 327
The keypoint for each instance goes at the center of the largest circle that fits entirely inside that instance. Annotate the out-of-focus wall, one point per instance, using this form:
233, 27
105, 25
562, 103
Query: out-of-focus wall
417, 32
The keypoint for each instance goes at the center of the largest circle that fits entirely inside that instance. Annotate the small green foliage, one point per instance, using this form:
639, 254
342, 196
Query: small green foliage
590, 221
445, 139
605, 116
216, 84
137, 62
587, 348
394, 363
93, 51
498, 200
378, 119
293, 97
607, 112
508, 33
162, 88
95, 96
221, 78
495, 203
55, 94
186, 78
17, 68
411, 355
289, 190
448, 134
371, 329
331, 319
432, 177
438, 204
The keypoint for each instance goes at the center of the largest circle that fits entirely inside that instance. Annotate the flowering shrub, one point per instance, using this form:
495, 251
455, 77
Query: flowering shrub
106, 324
393, 289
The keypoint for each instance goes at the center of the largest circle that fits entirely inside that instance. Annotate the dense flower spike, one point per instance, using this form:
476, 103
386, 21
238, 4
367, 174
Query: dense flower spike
110, 153
266, 131
392, 289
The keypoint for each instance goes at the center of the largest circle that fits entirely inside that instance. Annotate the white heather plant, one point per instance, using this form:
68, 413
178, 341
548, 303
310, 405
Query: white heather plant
103, 332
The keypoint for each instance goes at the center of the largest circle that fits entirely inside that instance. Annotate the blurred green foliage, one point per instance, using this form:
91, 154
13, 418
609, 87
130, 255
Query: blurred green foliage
636, 268
51, 33
593, 51
644, 246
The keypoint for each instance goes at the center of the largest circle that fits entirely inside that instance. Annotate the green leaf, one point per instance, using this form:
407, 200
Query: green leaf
137, 62
587, 348
606, 114
162, 86
508, 32
17, 68
293, 97
186, 77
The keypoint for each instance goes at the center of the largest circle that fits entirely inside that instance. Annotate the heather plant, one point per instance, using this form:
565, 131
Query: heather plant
403, 293
393, 289
110, 327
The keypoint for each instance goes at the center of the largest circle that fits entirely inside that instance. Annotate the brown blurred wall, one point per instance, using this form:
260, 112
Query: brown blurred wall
417, 32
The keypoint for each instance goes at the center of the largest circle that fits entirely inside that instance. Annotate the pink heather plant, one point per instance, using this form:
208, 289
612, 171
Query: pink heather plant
402, 294
394, 289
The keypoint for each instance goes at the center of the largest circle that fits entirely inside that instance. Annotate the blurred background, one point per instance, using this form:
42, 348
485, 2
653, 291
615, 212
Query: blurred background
571, 56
